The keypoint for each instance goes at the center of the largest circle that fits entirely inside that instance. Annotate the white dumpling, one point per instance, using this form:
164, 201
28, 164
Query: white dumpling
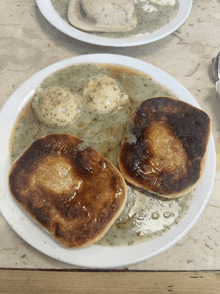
104, 95
102, 15
56, 106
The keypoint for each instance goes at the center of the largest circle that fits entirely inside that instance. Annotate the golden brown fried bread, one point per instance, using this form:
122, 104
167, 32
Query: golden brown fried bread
69, 188
164, 150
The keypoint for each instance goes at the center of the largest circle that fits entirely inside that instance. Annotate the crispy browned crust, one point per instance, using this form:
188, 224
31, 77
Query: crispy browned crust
164, 150
75, 195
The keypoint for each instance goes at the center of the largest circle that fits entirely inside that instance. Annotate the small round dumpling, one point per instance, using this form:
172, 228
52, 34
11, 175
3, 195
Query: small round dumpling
104, 95
56, 106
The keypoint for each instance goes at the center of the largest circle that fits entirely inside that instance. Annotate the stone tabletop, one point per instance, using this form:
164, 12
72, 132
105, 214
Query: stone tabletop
28, 43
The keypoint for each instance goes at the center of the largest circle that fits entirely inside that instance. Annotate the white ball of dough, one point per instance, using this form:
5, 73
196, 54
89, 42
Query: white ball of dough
104, 95
56, 106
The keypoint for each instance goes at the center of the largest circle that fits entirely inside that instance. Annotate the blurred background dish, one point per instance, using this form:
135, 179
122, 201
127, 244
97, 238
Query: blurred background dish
60, 21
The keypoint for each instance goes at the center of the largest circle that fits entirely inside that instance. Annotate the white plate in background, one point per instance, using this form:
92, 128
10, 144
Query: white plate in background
95, 256
58, 22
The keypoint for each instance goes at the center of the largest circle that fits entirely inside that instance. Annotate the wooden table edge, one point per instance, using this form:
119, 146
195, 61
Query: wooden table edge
107, 281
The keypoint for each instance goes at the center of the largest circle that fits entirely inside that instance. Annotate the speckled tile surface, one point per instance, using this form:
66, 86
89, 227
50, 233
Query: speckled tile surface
28, 43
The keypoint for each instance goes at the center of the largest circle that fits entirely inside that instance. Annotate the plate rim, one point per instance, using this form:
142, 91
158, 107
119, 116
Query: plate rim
60, 24
92, 258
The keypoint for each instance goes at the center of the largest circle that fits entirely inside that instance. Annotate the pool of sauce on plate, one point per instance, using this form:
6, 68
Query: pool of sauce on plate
148, 22
145, 216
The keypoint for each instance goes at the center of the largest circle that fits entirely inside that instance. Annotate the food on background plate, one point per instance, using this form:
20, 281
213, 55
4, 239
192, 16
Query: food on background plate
56, 106
165, 146
151, 15
164, 2
71, 190
102, 15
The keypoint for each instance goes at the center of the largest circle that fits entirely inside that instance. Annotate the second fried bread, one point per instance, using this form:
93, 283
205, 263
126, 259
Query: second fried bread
71, 190
164, 150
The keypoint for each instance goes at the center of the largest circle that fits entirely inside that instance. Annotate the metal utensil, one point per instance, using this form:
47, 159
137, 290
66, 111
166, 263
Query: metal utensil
216, 72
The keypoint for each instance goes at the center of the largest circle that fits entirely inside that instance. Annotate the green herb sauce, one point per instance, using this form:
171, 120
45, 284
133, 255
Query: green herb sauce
145, 216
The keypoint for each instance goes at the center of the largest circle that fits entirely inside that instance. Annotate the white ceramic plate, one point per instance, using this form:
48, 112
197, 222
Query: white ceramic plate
53, 17
95, 256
